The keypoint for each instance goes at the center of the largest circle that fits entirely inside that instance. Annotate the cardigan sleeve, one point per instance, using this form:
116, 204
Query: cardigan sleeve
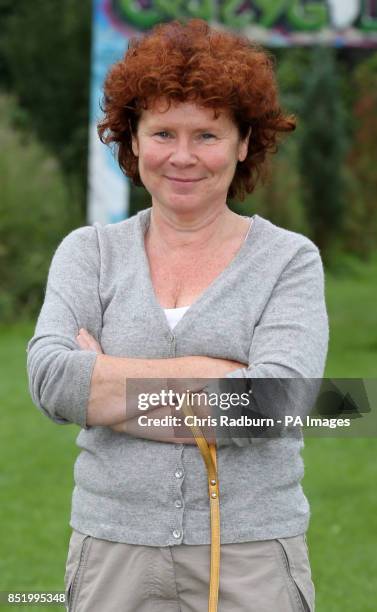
290, 340
291, 337
59, 372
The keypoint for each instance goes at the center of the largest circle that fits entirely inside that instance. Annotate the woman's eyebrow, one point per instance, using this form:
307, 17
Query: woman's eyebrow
159, 125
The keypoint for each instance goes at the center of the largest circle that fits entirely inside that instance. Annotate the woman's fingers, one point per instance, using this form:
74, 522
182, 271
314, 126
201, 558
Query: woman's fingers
82, 341
86, 342
120, 427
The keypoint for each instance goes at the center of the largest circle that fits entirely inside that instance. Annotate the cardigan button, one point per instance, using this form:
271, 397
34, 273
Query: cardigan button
213, 482
179, 473
214, 495
176, 533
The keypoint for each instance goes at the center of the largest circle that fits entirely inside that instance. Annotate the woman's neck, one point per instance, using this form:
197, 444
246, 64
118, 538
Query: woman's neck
174, 233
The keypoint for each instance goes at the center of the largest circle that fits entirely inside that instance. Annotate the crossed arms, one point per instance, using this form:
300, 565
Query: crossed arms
106, 405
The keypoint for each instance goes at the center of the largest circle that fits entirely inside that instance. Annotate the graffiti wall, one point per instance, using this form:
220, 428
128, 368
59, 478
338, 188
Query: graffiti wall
282, 22
271, 22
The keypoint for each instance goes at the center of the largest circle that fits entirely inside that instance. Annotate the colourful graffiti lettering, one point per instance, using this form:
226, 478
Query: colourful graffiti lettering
272, 10
131, 12
232, 16
203, 9
297, 15
311, 16
169, 9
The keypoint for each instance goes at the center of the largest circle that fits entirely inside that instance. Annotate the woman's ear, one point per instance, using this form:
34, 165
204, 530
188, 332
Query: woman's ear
244, 146
135, 145
134, 142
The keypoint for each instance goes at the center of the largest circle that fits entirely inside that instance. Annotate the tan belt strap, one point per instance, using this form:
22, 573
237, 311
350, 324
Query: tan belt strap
208, 452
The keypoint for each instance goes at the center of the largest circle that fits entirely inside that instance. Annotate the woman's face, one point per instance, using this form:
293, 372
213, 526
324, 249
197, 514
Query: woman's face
187, 158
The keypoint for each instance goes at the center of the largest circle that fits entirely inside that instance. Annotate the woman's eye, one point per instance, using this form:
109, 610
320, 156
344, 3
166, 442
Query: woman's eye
165, 134
162, 134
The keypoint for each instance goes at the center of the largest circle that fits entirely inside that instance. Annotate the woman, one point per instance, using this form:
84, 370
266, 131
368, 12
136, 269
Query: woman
184, 289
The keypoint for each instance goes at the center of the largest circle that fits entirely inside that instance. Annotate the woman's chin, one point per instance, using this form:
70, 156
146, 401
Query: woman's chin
183, 203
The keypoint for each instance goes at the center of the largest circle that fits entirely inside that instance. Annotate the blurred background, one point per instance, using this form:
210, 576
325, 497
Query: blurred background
322, 182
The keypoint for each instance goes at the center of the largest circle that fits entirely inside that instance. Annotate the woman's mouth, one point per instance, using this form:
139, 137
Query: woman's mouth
183, 180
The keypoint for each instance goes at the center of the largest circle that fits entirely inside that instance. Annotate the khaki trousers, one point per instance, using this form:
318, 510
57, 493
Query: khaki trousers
262, 576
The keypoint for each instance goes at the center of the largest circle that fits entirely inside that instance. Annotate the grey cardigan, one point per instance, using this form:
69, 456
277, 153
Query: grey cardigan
266, 309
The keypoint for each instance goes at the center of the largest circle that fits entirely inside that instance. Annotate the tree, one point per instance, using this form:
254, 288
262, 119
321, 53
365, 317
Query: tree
361, 225
35, 213
322, 148
46, 49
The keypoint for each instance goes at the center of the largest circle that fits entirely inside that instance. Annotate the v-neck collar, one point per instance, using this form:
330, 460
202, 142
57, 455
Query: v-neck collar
144, 217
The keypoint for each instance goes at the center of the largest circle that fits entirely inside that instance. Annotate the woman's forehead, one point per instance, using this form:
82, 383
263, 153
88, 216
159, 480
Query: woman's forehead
163, 106
187, 112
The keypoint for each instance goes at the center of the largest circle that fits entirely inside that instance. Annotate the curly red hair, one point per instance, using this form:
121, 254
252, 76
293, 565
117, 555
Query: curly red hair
194, 62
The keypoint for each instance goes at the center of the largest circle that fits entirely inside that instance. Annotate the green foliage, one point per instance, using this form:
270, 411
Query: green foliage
361, 221
322, 148
36, 211
278, 198
293, 64
6, 9
45, 47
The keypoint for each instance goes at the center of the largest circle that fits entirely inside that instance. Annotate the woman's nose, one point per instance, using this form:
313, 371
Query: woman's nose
182, 153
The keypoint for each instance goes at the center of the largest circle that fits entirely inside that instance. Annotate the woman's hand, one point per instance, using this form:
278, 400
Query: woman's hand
86, 342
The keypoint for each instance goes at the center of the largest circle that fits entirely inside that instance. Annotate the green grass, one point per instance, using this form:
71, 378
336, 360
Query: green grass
340, 480
36, 480
341, 474
351, 299
340, 483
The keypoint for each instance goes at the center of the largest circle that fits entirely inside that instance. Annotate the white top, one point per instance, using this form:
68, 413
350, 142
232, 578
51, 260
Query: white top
174, 315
